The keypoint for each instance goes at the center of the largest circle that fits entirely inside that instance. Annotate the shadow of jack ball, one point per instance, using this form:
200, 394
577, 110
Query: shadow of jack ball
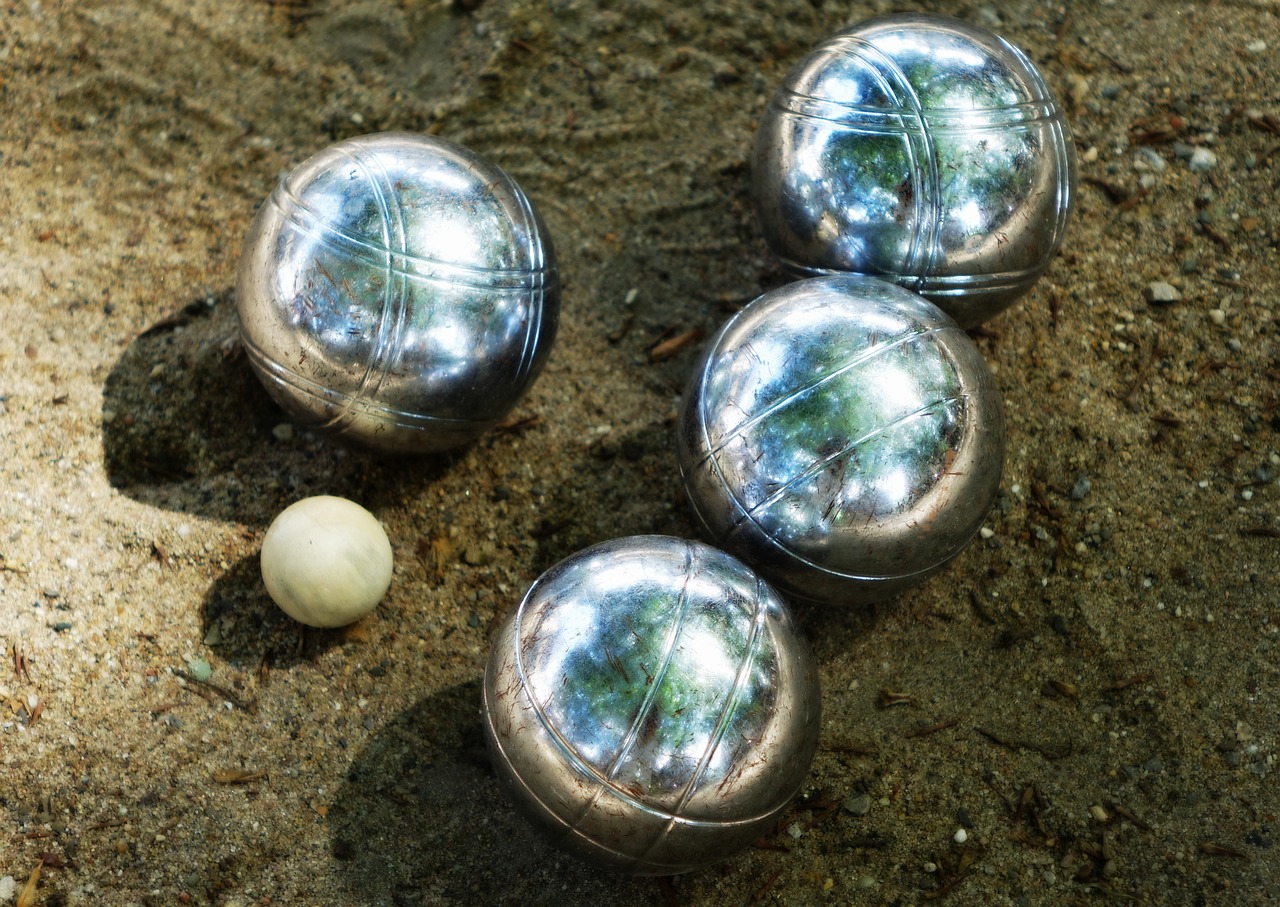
921, 149
842, 436
651, 705
398, 291
326, 561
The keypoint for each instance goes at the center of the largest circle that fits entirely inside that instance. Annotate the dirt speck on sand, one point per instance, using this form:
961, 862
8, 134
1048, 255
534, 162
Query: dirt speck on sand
1081, 709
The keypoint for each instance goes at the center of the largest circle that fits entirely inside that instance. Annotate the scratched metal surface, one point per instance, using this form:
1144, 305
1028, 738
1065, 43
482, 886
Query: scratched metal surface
1088, 691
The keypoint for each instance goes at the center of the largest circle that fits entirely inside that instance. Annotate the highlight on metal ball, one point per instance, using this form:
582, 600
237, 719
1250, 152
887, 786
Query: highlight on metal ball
922, 149
843, 436
651, 705
398, 291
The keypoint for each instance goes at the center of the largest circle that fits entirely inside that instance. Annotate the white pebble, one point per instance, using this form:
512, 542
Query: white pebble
961, 836
987, 532
8, 887
326, 561
1218, 317
1202, 160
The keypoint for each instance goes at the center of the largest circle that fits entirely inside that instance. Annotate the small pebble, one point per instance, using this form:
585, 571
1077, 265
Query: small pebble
1159, 292
858, 804
199, 668
961, 836
989, 16
283, 432
1218, 317
1202, 160
7, 888
1080, 490
1149, 159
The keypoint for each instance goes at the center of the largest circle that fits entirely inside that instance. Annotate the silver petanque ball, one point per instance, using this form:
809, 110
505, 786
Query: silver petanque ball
398, 291
921, 149
651, 705
842, 436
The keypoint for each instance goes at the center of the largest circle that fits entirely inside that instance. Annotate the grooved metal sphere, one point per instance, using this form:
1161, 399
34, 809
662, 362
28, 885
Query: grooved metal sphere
398, 291
921, 149
651, 704
842, 436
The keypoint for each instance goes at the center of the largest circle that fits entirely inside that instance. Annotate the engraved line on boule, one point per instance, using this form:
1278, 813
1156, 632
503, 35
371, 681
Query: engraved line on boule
289, 378
819, 466
537, 286
1063, 147
303, 218
960, 284
838, 574
722, 722
392, 314
923, 162
669, 646
875, 120
714, 464
752, 421
1064, 184
893, 83
604, 780
631, 801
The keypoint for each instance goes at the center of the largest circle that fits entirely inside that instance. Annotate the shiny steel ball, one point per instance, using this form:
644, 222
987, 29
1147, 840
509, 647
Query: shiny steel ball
921, 149
651, 705
842, 436
399, 291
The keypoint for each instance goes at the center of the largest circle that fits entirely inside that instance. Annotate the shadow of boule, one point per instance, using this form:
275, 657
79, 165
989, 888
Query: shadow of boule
188, 427
422, 819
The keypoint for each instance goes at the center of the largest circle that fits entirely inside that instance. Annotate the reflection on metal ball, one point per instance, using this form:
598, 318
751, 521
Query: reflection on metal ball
842, 436
398, 291
651, 705
921, 149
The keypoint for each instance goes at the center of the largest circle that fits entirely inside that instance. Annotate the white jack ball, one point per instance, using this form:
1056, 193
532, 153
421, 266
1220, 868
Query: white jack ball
326, 561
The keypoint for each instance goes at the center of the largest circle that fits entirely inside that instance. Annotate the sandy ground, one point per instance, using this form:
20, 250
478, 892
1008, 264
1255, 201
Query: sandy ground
1090, 692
